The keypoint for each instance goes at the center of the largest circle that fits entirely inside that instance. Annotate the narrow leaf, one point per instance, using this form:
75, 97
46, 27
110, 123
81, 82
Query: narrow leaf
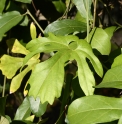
23, 111
66, 26
112, 78
9, 20
94, 109
120, 120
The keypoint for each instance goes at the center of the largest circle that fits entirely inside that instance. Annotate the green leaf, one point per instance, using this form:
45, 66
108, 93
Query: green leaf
112, 78
9, 20
117, 61
2, 105
68, 48
94, 109
52, 78
100, 41
2, 5
23, 111
59, 5
15, 46
66, 26
9, 65
37, 108
24, 1
3, 120
33, 30
82, 7
120, 120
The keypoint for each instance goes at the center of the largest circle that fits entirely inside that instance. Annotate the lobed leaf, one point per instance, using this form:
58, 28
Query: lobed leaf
94, 109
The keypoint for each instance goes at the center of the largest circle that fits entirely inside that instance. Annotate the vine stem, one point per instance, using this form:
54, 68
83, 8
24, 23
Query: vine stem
87, 6
4, 86
95, 6
28, 12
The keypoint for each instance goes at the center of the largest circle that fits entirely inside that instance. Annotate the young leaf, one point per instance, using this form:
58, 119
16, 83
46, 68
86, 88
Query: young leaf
33, 30
112, 78
66, 26
94, 109
37, 108
9, 20
23, 111
81, 6
2, 105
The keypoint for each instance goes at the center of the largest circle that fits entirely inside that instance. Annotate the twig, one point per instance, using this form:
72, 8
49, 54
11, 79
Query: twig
28, 12
95, 6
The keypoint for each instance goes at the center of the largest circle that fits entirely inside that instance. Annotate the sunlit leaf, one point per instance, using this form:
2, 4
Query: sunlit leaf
33, 30
9, 20
100, 41
16, 47
66, 26
68, 47
94, 109
52, 77
112, 78
9, 65
3, 120
120, 120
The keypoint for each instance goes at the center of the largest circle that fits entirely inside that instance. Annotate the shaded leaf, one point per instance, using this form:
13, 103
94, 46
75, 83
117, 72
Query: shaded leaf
94, 109
66, 26
23, 111
24, 1
82, 7
37, 108
2, 105
9, 20
112, 78
59, 5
